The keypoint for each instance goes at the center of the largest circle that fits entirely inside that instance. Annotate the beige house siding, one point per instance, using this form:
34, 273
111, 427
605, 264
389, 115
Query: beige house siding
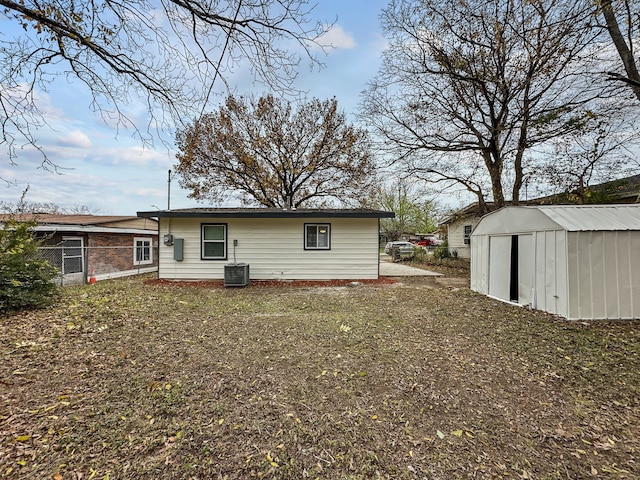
455, 236
138, 223
274, 249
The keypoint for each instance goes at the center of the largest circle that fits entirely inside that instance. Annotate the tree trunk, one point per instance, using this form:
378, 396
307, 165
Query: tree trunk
495, 172
621, 45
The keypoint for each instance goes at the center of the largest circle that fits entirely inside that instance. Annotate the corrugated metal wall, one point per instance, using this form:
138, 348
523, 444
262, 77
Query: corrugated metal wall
551, 290
604, 273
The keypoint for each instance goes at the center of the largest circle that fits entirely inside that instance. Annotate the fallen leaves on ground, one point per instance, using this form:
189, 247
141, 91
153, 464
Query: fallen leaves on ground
127, 379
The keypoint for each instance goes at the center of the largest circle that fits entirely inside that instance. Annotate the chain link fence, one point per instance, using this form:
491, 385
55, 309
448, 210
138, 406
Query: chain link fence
77, 264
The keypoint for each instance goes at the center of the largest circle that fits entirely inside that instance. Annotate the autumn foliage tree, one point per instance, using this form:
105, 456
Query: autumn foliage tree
270, 152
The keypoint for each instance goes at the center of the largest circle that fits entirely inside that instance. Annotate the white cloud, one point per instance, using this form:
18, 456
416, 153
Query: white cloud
74, 139
337, 38
138, 155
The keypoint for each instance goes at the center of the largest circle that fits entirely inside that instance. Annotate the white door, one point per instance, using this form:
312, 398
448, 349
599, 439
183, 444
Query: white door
526, 269
511, 268
499, 266
72, 261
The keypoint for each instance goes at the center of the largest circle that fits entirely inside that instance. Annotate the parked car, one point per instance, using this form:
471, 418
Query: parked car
406, 248
430, 242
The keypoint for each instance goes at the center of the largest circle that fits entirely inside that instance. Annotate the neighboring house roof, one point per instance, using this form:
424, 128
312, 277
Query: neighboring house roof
266, 213
623, 190
471, 210
86, 223
55, 218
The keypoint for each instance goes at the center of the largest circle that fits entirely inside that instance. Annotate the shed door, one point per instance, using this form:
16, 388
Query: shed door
72, 260
526, 269
499, 266
511, 268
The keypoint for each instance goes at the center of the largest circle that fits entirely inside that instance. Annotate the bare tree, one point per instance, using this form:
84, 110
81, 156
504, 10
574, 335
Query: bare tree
269, 153
23, 206
612, 10
593, 155
468, 88
172, 53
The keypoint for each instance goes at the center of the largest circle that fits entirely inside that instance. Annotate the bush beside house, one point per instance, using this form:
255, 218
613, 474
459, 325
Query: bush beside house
26, 279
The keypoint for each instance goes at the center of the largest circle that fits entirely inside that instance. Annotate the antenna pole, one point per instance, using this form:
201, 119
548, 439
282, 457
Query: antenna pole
169, 191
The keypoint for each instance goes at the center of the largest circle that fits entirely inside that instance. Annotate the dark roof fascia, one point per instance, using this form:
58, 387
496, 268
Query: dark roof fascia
266, 213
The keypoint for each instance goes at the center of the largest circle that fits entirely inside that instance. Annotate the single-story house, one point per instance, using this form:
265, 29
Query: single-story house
458, 227
86, 247
461, 223
576, 261
272, 243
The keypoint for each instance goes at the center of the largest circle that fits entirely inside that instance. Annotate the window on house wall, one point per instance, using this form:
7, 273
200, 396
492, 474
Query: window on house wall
317, 236
467, 234
214, 241
142, 251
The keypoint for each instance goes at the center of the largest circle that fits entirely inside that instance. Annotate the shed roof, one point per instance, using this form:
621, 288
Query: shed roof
576, 218
266, 213
572, 218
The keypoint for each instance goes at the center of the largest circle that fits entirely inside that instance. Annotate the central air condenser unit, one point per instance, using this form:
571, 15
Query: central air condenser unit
236, 275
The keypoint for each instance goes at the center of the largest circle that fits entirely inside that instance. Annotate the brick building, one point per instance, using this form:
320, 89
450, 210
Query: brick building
96, 246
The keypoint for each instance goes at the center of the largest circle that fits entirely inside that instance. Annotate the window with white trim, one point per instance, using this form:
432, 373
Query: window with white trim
317, 236
214, 241
142, 251
467, 234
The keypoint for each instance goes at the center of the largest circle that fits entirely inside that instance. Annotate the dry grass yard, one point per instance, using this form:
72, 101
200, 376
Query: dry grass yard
413, 380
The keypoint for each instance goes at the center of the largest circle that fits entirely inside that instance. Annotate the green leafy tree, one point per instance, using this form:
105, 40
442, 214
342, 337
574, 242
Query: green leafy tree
414, 213
273, 153
26, 279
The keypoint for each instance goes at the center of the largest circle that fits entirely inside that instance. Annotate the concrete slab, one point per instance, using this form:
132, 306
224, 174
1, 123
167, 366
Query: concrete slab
388, 268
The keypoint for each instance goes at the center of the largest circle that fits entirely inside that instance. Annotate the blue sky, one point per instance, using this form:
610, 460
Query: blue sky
112, 173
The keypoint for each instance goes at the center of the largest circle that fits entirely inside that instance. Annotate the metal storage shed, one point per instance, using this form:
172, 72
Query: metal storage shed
576, 261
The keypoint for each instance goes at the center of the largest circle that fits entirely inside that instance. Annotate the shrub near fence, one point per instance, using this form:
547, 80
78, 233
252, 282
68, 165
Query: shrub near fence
26, 278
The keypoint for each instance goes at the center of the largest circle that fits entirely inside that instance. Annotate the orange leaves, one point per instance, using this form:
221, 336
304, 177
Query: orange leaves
268, 149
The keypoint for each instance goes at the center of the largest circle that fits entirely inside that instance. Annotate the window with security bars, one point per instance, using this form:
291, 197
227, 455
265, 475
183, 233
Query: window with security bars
467, 234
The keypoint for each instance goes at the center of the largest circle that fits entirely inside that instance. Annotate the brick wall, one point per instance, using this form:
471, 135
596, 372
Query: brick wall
104, 253
108, 252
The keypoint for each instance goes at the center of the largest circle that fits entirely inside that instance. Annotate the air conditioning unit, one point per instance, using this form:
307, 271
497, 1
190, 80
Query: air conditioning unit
236, 275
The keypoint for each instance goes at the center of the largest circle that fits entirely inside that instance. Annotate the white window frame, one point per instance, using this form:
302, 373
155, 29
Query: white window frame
318, 227
467, 236
203, 241
146, 243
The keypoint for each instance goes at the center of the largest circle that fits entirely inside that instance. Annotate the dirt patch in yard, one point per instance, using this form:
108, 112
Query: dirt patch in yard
272, 283
456, 273
133, 380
